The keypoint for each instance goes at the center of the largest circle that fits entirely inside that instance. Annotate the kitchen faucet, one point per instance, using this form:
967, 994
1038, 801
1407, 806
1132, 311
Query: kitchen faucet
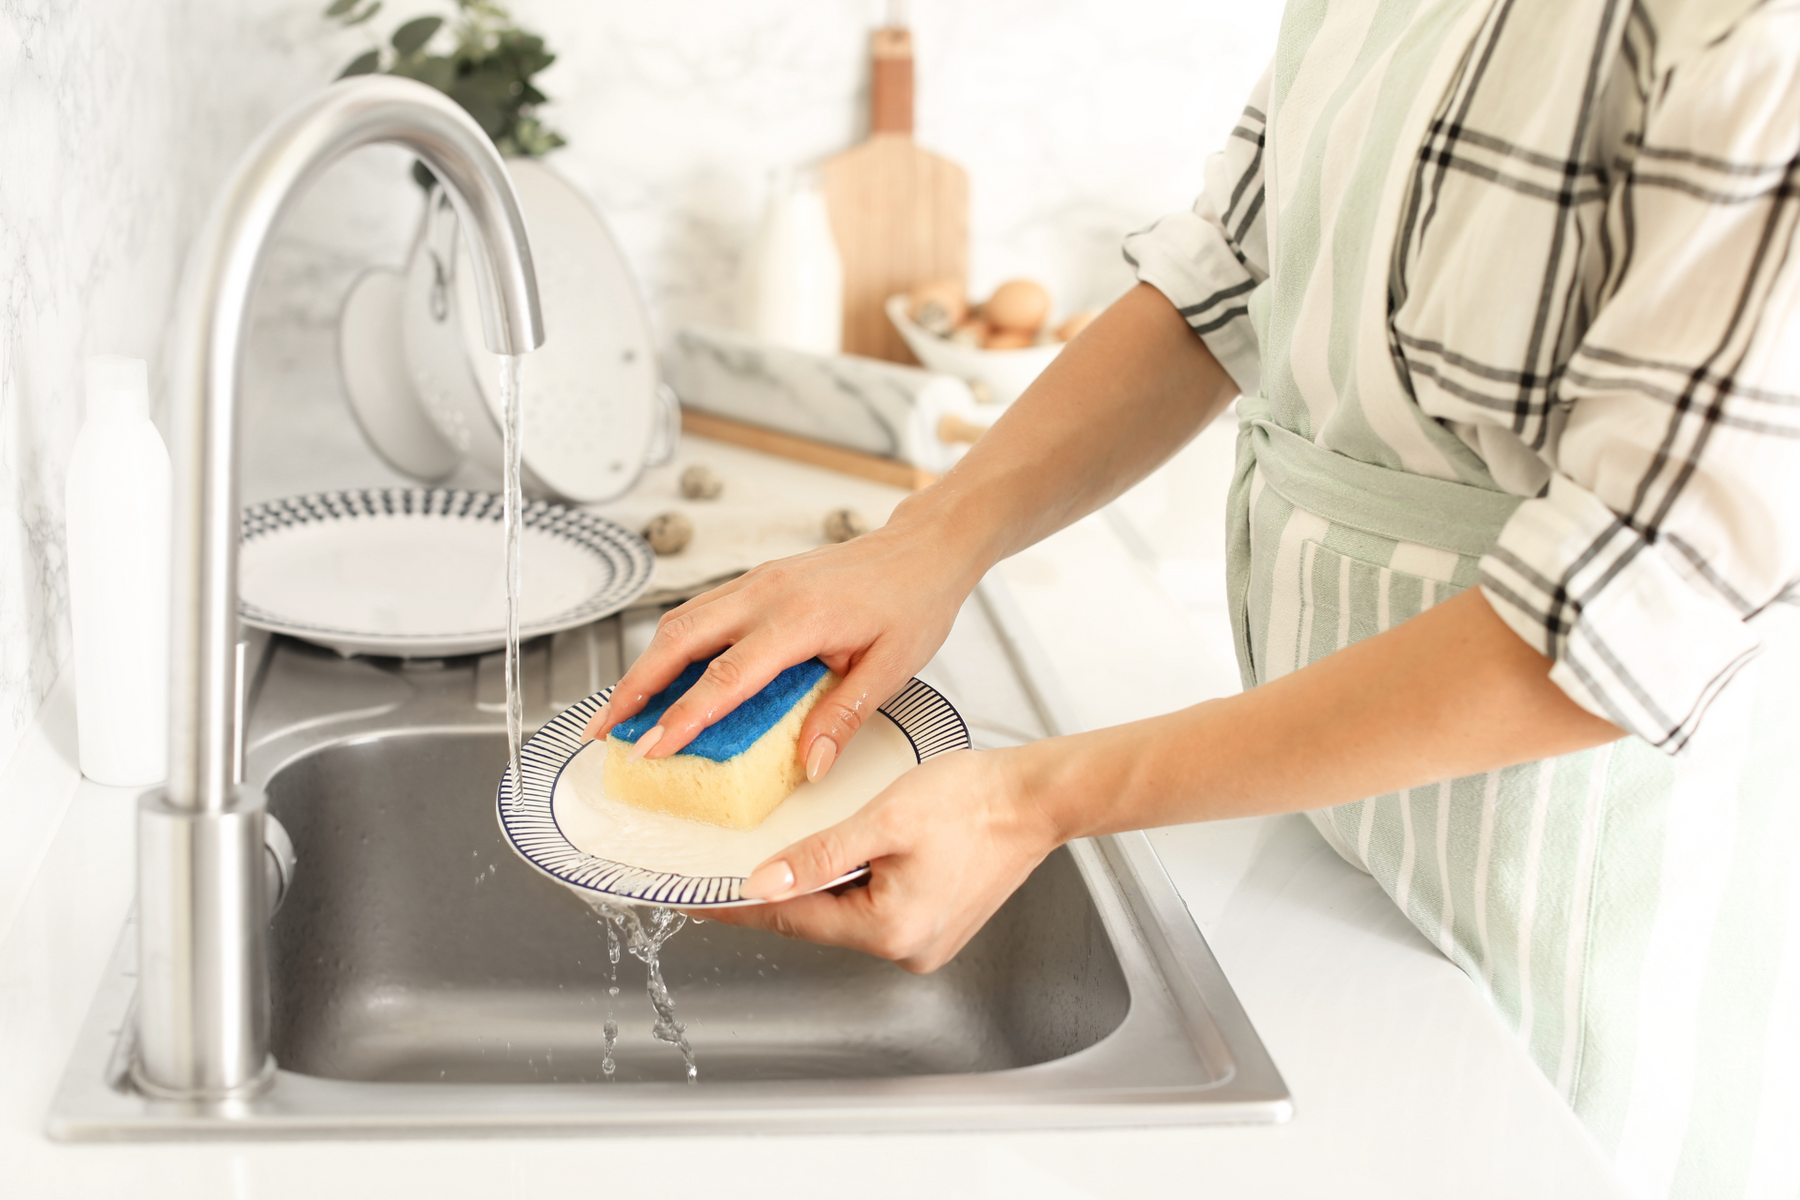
203, 990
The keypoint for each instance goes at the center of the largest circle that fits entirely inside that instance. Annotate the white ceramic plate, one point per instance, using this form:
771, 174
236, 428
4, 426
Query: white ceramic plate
566, 826
420, 573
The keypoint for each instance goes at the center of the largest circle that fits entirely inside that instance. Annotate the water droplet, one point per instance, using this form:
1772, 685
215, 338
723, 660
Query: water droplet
624, 925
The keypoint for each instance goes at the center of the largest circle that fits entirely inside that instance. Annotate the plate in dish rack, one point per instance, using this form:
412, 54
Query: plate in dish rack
420, 573
566, 826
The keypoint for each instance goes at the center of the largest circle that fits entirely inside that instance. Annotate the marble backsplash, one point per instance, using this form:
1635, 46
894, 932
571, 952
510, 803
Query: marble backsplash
1077, 120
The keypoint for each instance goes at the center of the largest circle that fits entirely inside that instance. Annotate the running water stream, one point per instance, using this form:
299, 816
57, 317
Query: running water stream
622, 921
512, 514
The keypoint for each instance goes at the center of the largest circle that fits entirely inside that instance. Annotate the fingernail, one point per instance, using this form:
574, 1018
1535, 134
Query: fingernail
768, 881
597, 722
820, 758
650, 738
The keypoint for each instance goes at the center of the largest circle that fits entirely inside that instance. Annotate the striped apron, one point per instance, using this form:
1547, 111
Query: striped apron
1635, 917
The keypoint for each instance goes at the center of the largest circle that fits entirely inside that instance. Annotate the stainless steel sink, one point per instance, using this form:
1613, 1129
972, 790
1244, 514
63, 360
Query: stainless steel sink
414, 948
425, 981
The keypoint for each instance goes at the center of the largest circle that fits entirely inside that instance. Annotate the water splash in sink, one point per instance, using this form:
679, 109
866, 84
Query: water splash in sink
611, 1028
643, 934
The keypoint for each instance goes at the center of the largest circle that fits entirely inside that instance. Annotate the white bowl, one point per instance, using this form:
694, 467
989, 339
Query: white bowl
1007, 373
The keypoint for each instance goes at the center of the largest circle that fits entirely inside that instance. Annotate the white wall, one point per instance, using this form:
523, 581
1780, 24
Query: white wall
117, 120
1077, 120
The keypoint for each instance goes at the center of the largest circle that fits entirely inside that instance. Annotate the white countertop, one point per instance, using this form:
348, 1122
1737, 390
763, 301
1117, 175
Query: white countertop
1406, 1084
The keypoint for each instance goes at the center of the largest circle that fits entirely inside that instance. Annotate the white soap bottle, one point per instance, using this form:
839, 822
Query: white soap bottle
793, 279
119, 525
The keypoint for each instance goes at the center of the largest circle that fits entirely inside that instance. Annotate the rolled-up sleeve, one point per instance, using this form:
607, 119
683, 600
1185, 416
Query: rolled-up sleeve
1672, 518
1208, 259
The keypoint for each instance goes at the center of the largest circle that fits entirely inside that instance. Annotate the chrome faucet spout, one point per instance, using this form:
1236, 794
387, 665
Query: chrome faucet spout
214, 321
203, 1029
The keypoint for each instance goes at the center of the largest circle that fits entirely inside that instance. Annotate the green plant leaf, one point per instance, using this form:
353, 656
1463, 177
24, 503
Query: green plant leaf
534, 141
488, 71
362, 64
476, 102
411, 37
431, 70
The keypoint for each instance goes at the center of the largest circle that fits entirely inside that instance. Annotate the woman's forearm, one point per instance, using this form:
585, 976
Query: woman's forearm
1117, 401
1114, 405
1451, 692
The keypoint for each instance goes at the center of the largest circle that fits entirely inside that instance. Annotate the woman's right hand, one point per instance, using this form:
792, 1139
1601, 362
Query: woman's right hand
873, 609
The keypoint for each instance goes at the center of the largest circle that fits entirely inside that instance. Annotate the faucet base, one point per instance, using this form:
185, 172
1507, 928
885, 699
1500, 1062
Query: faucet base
150, 1090
203, 907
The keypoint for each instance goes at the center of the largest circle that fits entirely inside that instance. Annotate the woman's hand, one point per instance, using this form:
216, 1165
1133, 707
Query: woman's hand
1122, 397
874, 610
946, 844
951, 839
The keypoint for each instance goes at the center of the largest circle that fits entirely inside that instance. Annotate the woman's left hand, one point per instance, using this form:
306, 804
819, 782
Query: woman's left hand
946, 844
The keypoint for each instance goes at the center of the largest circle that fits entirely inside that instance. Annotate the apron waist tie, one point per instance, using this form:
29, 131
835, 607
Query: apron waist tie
1458, 517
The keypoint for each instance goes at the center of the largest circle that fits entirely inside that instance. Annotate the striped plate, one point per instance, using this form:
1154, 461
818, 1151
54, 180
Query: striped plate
565, 825
420, 572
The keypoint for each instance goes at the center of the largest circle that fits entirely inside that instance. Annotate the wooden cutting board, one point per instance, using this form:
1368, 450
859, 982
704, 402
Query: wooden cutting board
900, 213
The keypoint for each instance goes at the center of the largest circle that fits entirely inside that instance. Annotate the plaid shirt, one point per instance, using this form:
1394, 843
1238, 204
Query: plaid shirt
1593, 302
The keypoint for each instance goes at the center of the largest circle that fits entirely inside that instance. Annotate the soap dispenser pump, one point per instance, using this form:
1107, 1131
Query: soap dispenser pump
117, 505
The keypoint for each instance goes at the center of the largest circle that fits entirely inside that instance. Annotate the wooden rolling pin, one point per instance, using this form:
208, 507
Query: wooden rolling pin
849, 413
953, 430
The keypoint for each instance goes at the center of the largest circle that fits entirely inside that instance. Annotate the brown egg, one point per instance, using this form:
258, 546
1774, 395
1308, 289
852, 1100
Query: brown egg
1009, 339
1018, 304
938, 306
974, 331
1068, 329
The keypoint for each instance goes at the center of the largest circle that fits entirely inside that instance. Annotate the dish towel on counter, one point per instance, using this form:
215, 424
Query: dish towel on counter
1512, 291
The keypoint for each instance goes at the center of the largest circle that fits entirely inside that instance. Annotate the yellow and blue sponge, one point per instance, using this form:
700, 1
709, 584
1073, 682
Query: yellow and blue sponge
738, 770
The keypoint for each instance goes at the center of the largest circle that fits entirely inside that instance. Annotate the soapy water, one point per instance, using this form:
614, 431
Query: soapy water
512, 510
642, 934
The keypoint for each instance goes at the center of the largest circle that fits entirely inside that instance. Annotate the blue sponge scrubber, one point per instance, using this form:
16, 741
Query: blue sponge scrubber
738, 770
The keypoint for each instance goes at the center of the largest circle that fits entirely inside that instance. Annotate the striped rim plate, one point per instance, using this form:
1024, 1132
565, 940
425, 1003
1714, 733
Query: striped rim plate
419, 572
618, 858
